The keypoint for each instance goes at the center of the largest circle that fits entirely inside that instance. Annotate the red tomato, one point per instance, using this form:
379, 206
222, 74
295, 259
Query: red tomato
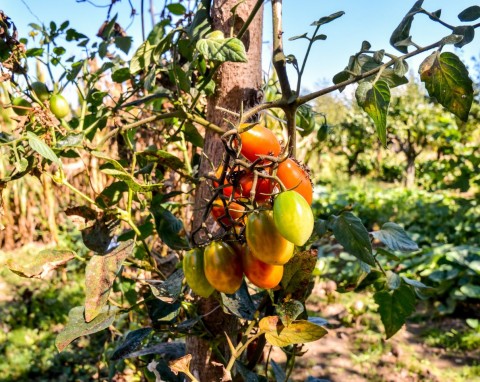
295, 178
263, 190
259, 141
234, 212
261, 274
227, 190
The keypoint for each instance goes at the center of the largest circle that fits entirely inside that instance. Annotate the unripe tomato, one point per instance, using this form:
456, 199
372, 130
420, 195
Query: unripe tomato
20, 106
322, 133
234, 212
223, 267
296, 178
259, 141
195, 274
261, 274
264, 240
293, 217
59, 106
263, 190
40, 90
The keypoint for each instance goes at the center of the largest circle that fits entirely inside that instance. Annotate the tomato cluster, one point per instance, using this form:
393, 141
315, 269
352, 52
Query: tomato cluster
262, 201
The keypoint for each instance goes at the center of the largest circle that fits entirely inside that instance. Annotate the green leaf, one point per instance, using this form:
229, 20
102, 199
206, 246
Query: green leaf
352, 234
387, 254
121, 75
130, 180
402, 31
395, 238
394, 307
142, 57
375, 99
76, 325
298, 332
40, 264
112, 194
130, 343
170, 229
240, 303
171, 288
100, 273
415, 283
400, 67
217, 48
192, 135
290, 310
176, 8
42, 148
298, 37
164, 158
297, 273
471, 290
446, 79
247, 374
470, 14
70, 140
124, 43
278, 372
393, 280
327, 19
467, 32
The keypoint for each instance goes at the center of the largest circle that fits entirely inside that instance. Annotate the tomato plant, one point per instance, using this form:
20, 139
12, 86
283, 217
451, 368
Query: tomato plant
193, 269
293, 217
259, 141
223, 267
261, 274
40, 90
264, 240
59, 106
294, 177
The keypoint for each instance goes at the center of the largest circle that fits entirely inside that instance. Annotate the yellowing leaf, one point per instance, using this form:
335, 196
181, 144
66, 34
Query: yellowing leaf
298, 332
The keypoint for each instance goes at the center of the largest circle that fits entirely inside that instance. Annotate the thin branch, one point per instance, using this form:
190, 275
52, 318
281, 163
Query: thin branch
250, 18
279, 60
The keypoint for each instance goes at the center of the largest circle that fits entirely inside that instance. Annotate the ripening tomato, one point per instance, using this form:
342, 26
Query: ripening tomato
295, 178
261, 274
223, 267
195, 274
259, 141
21, 106
228, 189
293, 217
264, 240
40, 90
263, 190
59, 106
234, 211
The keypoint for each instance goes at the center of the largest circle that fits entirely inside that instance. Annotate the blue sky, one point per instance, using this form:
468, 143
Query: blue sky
372, 20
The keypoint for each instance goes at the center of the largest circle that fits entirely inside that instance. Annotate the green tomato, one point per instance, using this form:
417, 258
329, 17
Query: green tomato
41, 91
59, 106
322, 133
20, 105
195, 274
293, 217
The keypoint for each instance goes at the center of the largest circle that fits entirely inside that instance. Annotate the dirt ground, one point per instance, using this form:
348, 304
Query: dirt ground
359, 353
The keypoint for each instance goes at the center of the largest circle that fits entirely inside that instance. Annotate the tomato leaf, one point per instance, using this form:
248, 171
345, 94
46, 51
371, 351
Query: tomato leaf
298, 332
402, 31
100, 273
352, 234
164, 158
216, 47
170, 229
76, 325
297, 274
446, 79
395, 238
170, 288
248, 375
467, 32
240, 303
327, 19
39, 265
42, 148
470, 14
142, 57
132, 340
375, 99
394, 307
290, 310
